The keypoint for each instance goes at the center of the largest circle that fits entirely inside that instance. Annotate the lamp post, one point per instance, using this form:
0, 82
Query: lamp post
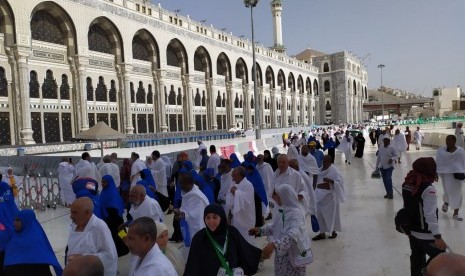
251, 4
381, 66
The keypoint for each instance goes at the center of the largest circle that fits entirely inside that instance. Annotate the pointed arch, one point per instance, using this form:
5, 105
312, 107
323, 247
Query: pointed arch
145, 47
202, 61
291, 82
300, 84
223, 66
315, 87
104, 37
270, 79
176, 55
308, 86
51, 23
7, 23
281, 80
259, 75
241, 71
354, 87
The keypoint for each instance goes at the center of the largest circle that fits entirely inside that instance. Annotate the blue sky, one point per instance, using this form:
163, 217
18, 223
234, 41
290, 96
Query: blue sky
421, 42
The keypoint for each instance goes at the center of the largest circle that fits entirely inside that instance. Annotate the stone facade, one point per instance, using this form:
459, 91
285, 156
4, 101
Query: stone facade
67, 64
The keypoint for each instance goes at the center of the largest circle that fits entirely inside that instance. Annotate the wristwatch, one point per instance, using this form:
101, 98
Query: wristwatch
437, 237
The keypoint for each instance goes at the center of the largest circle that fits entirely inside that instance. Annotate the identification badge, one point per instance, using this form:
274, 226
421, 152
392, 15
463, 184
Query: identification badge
122, 234
221, 272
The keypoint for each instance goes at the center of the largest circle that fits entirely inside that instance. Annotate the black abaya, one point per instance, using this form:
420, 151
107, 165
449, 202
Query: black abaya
360, 147
114, 221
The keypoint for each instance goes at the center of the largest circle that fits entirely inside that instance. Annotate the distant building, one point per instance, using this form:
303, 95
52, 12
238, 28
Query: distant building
343, 80
444, 99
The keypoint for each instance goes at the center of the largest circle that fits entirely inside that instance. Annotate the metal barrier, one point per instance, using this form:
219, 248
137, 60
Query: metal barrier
39, 192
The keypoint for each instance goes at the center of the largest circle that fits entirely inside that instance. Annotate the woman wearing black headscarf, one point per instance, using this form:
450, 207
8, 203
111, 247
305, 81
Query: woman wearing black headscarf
206, 255
270, 160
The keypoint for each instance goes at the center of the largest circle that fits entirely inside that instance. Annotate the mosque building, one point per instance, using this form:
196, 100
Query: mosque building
67, 64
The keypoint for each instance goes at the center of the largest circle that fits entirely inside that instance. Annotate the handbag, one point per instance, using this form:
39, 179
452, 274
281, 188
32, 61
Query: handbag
459, 176
300, 258
402, 222
376, 174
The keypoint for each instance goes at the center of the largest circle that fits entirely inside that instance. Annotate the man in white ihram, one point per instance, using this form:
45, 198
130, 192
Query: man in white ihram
90, 235
143, 205
240, 203
158, 170
137, 166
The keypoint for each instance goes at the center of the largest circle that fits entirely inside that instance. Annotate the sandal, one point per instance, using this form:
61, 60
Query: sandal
457, 218
319, 237
333, 236
445, 207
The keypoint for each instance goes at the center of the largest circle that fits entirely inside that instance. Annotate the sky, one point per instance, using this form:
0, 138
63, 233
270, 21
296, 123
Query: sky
420, 42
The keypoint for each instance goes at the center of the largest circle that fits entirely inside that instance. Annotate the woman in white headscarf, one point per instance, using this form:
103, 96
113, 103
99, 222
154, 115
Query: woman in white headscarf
14, 182
289, 233
170, 251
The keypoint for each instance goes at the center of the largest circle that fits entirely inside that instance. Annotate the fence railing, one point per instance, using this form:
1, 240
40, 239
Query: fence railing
39, 192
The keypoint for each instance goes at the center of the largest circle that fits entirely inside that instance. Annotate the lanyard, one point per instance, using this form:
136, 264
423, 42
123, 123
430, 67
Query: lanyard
221, 251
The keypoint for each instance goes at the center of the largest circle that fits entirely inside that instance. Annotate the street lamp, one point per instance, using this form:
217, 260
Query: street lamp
381, 66
251, 4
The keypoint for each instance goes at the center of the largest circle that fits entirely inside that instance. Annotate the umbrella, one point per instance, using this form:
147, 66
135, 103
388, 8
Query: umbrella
100, 132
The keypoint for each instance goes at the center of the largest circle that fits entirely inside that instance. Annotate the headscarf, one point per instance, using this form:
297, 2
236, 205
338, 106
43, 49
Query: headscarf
184, 156
187, 167
424, 171
274, 150
219, 235
249, 157
110, 198
292, 217
330, 144
147, 176
234, 161
148, 191
255, 178
94, 198
8, 210
161, 227
85, 183
30, 244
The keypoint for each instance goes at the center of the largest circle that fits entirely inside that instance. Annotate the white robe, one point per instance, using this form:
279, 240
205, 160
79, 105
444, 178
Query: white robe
266, 172
292, 152
154, 263
328, 201
136, 167
147, 208
418, 136
213, 163
311, 206
95, 240
381, 138
66, 173
198, 156
449, 163
242, 207
226, 182
346, 147
85, 168
308, 164
399, 143
158, 170
459, 137
193, 204
111, 169
291, 177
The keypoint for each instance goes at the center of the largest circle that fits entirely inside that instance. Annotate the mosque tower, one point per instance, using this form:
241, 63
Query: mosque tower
276, 9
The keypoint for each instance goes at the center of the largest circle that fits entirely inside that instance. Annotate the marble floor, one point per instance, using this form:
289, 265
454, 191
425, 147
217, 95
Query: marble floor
369, 243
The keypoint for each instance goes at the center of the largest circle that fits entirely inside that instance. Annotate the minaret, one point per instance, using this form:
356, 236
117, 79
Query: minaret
276, 9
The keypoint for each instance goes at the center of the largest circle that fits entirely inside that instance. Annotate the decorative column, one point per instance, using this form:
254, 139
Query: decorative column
261, 107
302, 110
310, 110
212, 104
273, 106
283, 109
247, 107
22, 55
161, 99
127, 68
15, 100
230, 107
82, 62
189, 111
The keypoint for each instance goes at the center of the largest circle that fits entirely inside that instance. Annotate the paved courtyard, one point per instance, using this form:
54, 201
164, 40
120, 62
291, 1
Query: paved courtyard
369, 243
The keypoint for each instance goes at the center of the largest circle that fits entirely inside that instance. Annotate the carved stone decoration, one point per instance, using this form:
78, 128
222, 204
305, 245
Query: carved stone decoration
33, 85
140, 96
98, 40
5, 135
49, 87
101, 90
46, 28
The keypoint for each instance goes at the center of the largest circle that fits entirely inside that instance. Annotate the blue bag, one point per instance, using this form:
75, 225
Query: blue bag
315, 224
186, 234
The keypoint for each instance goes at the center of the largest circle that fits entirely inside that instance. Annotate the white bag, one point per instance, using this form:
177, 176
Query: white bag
298, 258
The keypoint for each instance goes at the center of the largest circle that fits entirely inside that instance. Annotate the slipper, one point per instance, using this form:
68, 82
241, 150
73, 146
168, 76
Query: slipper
319, 237
445, 206
457, 218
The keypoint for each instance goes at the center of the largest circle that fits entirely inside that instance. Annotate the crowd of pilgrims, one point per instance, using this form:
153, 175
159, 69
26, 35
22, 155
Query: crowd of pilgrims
220, 206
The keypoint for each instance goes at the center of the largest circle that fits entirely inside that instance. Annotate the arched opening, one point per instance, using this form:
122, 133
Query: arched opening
270, 76
202, 61
327, 86
223, 66
241, 71
355, 88
308, 85
176, 56
300, 84
7, 24
325, 67
104, 37
281, 80
101, 90
291, 82
328, 106
315, 87
259, 75
145, 47
49, 87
